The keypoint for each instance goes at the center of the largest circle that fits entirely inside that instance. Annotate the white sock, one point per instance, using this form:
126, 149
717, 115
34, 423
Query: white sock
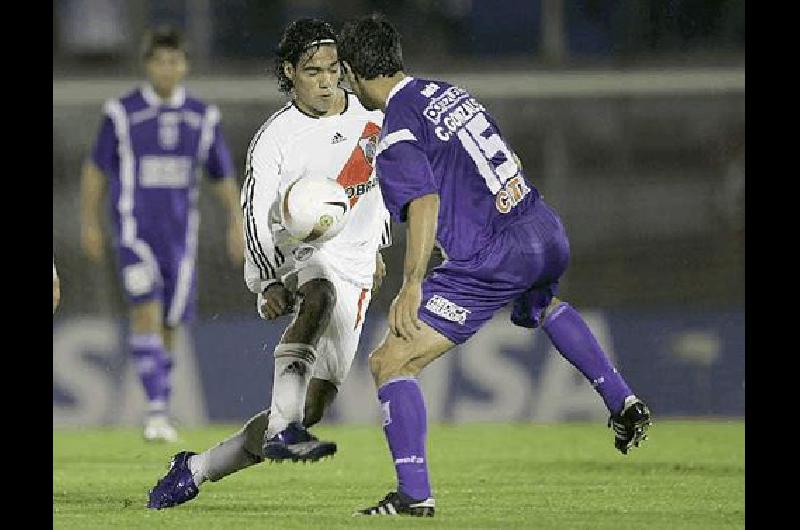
293, 366
197, 465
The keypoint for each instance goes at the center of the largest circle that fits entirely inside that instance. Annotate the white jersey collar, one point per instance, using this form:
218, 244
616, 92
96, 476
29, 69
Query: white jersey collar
153, 99
399, 86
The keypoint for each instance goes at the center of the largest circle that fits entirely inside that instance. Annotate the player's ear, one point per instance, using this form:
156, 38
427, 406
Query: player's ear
349, 71
288, 69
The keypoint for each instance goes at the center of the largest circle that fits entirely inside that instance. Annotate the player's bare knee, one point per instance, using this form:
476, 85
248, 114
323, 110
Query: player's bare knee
146, 317
389, 362
317, 300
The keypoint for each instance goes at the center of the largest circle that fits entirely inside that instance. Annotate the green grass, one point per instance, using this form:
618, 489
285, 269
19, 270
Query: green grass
690, 474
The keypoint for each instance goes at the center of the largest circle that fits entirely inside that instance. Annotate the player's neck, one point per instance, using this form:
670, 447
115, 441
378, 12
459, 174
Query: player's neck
165, 94
385, 85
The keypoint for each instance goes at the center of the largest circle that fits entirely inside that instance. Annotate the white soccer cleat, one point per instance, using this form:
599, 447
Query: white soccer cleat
158, 429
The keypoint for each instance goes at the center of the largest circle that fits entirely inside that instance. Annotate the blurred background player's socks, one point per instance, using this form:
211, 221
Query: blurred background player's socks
151, 365
241, 450
405, 425
293, 366
573, 338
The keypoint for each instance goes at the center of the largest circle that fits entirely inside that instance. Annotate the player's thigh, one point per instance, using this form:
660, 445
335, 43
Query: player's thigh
398, 357
339, 341
459, 298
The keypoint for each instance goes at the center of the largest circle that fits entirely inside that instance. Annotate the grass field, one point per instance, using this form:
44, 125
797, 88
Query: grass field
690, 474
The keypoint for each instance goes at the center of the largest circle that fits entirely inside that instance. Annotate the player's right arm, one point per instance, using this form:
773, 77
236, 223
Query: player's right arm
260, 192
92, 191
93, 183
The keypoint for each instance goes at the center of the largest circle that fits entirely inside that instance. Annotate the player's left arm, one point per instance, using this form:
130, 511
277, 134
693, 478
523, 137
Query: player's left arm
423, 213
219, 167
228, 195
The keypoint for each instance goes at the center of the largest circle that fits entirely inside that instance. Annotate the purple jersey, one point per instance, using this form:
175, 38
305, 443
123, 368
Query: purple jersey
437, 138
151, 151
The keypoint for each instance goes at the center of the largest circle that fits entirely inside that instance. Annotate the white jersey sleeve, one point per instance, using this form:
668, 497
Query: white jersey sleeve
259, 193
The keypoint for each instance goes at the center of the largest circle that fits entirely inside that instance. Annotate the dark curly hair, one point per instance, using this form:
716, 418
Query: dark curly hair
162, 37
298, 37
371, 46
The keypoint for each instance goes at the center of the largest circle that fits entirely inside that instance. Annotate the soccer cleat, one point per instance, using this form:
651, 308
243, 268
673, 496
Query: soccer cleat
295, 443
398, 503
177, 486
630, 425
158, 429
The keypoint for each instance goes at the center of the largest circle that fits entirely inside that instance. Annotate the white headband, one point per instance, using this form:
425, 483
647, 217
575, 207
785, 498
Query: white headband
321, 42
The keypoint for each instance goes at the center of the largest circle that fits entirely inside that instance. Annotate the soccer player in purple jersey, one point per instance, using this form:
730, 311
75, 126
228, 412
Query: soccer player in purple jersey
150, 147
445, 169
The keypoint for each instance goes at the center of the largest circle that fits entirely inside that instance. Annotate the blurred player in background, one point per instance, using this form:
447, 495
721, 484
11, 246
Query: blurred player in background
323, 132
150, 147
446, 170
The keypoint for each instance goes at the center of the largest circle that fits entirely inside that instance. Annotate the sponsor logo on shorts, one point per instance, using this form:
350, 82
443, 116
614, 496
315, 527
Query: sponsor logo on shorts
446, 309
413, 459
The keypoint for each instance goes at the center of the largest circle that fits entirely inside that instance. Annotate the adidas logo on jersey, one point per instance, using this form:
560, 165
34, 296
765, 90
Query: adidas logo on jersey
338, 138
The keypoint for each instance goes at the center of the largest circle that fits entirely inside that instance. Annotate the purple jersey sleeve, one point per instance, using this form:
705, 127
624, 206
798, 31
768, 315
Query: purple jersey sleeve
219, 163
104, 153
404, 174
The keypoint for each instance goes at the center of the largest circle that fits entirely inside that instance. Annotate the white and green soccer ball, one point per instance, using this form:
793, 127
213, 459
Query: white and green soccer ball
315, 210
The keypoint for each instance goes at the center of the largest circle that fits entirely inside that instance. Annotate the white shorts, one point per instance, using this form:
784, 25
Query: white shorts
338, 344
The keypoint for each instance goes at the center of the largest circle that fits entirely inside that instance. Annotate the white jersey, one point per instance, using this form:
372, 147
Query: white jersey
292, 145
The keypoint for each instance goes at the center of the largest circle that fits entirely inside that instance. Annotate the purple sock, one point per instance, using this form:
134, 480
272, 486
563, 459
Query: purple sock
151, 364
405, 424
166, 375
572, 337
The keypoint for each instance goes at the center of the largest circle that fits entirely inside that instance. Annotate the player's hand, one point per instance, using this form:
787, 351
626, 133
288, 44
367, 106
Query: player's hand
235, 244
275, 301
379, 274
92, 243
403, 319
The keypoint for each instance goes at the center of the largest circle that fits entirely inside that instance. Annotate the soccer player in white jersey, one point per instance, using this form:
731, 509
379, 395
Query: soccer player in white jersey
323, 132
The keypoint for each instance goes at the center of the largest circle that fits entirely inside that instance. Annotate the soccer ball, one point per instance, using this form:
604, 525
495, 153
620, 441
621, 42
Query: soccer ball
315, 210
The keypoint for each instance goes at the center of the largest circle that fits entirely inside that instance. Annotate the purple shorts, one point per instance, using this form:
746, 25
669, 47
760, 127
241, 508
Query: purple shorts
150, 271
523, 264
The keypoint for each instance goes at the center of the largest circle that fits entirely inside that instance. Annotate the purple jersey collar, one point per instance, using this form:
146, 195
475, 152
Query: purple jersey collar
153, 99
399, 86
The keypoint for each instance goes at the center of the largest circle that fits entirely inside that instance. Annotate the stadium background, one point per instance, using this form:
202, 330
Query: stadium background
629, 117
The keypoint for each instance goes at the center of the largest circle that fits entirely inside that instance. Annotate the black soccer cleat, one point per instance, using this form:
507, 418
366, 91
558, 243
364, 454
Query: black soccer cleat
630, 425
398, 503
